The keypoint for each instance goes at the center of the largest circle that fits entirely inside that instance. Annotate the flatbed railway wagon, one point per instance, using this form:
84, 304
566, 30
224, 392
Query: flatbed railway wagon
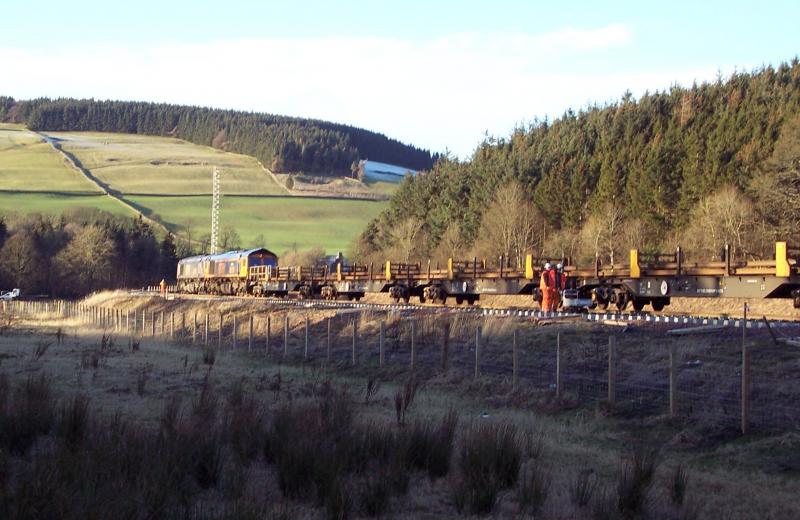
224, 273
645, 280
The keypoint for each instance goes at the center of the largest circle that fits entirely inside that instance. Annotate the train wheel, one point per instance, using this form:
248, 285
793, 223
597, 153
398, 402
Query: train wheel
797, 302
622, 302
638, 304
602, 304
470, 301
658, 305
421, 299
459, 300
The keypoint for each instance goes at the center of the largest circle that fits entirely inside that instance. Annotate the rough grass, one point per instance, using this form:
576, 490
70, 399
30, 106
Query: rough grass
572, 465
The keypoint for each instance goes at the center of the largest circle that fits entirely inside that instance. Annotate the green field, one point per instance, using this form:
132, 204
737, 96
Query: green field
140, 164
284, 222
54, 204
27, 163
170, 180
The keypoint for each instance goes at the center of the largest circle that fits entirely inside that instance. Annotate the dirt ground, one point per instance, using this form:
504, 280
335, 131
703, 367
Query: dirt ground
755, 476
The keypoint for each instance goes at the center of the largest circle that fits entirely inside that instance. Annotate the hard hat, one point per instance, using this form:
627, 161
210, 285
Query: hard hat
548, 266
559, 267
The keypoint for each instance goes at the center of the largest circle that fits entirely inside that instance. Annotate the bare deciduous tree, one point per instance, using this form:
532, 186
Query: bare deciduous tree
451, 245
511, 225
602, 233
724, 217
407, 240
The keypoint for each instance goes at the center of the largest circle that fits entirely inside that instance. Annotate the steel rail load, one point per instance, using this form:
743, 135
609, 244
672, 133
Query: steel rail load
646, 280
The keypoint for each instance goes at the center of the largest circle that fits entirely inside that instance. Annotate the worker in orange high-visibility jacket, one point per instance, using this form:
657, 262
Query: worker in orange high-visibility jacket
560, 284
545, 287
554, 281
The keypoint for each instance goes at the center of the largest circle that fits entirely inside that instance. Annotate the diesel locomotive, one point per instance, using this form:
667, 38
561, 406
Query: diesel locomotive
224, 273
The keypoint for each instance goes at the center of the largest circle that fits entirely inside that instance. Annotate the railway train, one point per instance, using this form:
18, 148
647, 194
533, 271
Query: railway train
645, 280
224, 273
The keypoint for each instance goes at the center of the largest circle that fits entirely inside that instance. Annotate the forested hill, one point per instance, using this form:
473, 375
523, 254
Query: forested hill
283, 144
647, 162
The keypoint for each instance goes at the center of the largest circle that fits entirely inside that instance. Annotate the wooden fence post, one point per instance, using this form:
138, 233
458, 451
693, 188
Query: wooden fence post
673, 374
250, 335
514, 373
194, 328
355, 335
161, 321
305, 347
285, 335
205, 331
477, 352
235, 332
745, 380
219, 337
153, 323
413, 345
558, 365
612, 381
183, 324
445, 347
381, 340
328, 354
267, 334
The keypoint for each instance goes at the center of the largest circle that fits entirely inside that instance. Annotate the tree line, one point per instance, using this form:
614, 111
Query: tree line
82, 251
701, 166
282, 144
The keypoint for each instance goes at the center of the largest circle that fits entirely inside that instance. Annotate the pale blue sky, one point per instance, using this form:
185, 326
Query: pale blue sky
436, 74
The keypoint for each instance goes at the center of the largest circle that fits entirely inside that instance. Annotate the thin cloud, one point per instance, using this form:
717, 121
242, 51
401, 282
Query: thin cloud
439, 93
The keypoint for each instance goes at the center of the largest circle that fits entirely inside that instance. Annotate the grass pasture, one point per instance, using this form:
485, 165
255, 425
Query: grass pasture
28, 164
57, 203
170, 180
284, 222
138, 164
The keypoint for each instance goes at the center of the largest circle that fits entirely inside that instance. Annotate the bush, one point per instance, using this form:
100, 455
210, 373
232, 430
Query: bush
635, 481
74, 422
29, 414
244, 426
375, 494
532, 488
582, 488
430, 447
678, 485
489, 461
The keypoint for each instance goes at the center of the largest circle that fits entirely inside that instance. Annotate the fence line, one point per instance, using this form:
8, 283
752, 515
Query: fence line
738, 388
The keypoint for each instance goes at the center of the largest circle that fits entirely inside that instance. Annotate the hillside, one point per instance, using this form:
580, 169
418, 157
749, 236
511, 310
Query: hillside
169, 181
283, 144
632, 173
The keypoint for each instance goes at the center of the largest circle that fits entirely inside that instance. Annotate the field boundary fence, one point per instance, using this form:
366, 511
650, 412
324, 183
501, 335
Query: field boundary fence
731, 384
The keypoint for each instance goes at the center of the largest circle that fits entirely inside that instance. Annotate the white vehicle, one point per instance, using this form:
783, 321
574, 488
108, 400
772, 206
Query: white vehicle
571, 301
10, 295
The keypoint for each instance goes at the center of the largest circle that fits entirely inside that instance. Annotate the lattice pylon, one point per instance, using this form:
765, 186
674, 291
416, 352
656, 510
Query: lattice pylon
215, 197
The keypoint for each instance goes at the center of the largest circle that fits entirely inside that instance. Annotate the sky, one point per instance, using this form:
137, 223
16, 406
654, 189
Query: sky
440, 75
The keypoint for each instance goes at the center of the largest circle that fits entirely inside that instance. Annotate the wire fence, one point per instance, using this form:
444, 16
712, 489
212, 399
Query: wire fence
720, 382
